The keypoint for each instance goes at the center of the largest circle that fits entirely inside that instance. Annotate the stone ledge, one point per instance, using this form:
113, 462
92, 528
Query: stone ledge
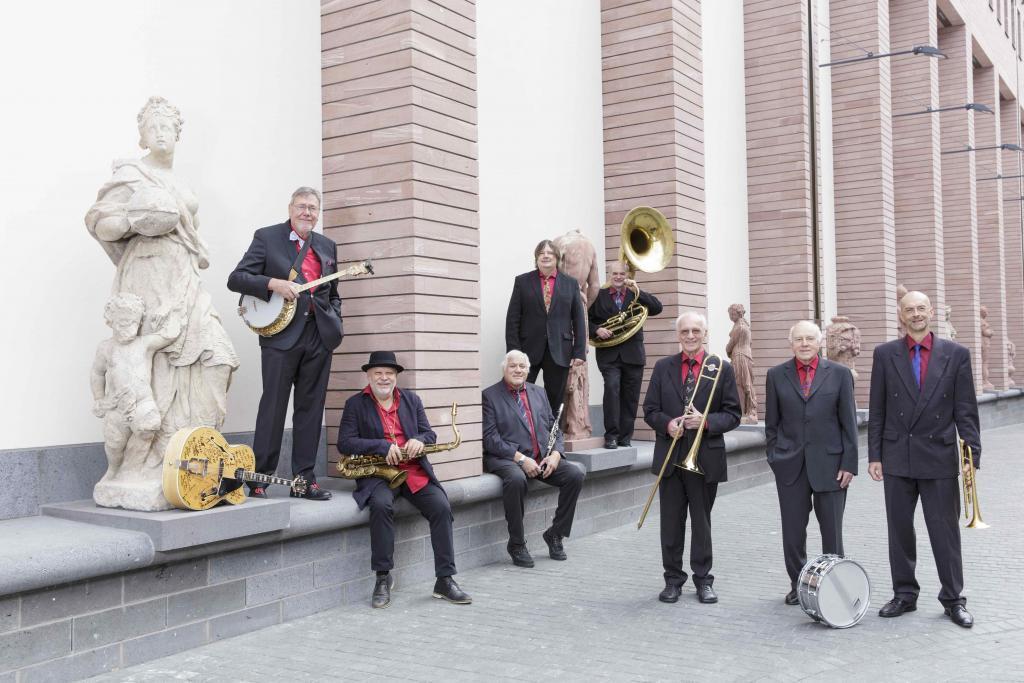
598, 459
174, 529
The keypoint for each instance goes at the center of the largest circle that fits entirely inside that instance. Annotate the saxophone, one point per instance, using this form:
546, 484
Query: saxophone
360, 466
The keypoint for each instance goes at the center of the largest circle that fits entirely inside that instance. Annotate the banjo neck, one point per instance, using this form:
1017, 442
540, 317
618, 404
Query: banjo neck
358, 269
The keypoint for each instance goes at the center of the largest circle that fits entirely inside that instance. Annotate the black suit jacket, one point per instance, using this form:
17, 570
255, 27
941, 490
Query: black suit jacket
528, 327
632, 350
664, 403
361, 433
913, 432
819, 432
505, 429
271, 255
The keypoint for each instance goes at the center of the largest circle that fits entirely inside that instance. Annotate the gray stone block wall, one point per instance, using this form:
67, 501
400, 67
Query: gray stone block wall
86, 627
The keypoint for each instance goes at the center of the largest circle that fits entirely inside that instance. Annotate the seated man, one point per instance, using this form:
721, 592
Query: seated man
517, 422
381, 420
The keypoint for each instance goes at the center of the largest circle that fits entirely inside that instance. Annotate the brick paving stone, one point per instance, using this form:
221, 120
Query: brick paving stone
596, 616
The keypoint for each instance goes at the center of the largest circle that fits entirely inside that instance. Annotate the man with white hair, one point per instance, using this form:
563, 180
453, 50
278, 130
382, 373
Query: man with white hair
679, 393
517, 426
810, 425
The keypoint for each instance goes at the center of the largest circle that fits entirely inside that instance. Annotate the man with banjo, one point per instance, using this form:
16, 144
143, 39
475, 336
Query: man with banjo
280, 259
691, 402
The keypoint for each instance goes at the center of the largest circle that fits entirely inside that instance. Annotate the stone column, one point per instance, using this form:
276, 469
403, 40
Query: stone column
400, 187
991, 268
654, 148
917, 176
959, 201
864, 194
779, 174
1013, 264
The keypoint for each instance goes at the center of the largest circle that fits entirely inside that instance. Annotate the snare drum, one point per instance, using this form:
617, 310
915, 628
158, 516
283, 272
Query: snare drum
834, 590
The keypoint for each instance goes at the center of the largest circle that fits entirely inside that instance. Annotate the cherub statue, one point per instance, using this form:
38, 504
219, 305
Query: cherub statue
121, 383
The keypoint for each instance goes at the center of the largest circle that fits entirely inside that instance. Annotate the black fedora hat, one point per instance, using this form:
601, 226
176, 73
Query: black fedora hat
383, 359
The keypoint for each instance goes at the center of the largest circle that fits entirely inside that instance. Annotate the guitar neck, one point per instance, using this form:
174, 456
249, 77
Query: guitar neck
246, 475
353, 270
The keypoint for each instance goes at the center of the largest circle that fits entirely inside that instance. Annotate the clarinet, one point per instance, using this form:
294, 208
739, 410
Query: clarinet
553, 436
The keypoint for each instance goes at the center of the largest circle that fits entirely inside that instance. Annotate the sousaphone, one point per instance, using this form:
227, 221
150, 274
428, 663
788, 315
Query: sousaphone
646, 244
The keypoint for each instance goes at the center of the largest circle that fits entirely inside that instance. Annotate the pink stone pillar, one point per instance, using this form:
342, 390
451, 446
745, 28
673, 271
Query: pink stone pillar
1013, 265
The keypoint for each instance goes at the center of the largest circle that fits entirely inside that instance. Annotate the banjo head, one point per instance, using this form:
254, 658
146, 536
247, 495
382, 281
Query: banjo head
266, 318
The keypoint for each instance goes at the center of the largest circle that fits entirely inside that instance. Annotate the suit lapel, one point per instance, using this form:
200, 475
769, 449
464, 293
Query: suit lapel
820, 375
794, 380
901, 361
513, 404
534, 285
676, 377
538, 426
937, 362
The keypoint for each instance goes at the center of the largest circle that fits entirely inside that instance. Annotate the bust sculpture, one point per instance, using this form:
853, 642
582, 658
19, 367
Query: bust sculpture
742, 358
145, 220
842, 342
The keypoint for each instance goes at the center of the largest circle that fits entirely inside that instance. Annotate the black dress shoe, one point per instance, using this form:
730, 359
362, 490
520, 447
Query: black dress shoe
896, 607
959, 615
611, 443
382, 591
706, 594
313, 492
258, 492
792, 598
670, 593
624, 443
445, 588
554, 541
520, 555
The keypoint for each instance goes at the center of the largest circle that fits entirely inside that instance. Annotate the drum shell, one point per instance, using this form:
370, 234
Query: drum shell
834, 590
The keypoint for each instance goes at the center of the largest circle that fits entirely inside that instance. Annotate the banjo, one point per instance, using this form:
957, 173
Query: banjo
267, 318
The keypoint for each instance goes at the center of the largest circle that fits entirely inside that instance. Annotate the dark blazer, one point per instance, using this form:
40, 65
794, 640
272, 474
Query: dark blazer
271, 255
361, 433
505, 429
819, 432
528, 327
632, 350
913, 432
664, 403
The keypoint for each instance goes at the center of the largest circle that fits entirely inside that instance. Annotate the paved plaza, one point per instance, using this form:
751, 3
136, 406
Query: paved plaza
597, 616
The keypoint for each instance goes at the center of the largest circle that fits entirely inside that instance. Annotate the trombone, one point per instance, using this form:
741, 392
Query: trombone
970, 488
709, 370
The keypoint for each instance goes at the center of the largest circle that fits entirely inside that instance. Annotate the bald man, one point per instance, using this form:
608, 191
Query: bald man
810, 424
922, 396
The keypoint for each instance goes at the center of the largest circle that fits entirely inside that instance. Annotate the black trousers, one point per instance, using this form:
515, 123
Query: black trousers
568, 478
940, 499
306, 367
681, 492
555, 377
433, 504
621, 398
795, 503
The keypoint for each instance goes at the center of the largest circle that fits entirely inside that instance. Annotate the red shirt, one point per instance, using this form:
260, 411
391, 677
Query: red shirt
529, 417
696, 368
394, 433
926, 354
310, 263
806, 372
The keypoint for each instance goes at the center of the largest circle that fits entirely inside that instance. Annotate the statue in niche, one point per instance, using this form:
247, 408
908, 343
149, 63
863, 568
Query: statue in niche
842, 342
579, 261
144, 218
742, 358
986, 351
950, 330
901, 291
1011, 355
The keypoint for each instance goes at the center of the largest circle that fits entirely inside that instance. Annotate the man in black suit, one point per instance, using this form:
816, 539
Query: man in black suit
546, 320
810, 423
517, 423
622, 365
922, 395
280, 258
381, 420
673, 407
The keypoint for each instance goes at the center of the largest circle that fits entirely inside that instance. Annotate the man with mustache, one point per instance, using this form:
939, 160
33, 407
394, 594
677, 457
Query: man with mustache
922, 395
381, 420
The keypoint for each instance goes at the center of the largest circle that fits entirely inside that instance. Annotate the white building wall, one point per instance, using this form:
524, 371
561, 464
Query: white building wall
725, 166
541, 150
246, 78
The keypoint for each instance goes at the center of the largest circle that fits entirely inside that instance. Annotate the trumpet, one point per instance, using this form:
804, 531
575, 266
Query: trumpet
970, 488
709, 370
360, 466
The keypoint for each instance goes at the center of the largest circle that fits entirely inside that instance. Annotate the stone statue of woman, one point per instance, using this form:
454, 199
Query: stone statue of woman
742, 358
145, 220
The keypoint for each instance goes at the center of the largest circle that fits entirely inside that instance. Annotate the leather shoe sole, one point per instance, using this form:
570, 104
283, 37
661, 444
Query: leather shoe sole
792, 598
670, 594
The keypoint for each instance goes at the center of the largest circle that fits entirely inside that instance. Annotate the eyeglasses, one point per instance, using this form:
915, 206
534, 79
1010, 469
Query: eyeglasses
302, 208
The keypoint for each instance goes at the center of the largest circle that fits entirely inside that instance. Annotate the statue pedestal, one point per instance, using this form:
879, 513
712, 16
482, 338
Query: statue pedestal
597, 459
146, 495
583, 444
